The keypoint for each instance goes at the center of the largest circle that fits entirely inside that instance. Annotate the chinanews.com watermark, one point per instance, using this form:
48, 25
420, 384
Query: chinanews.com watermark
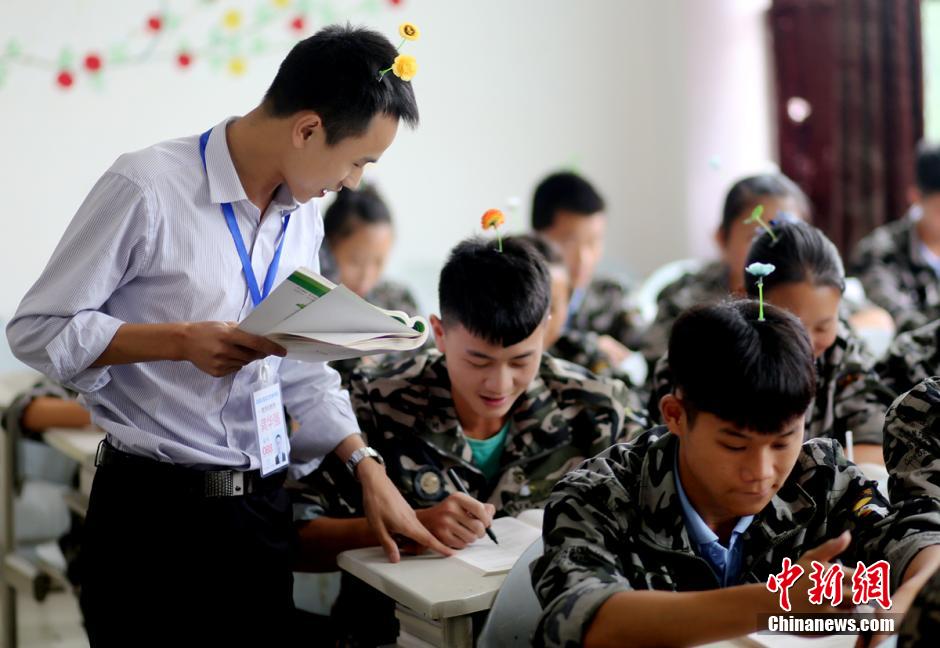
870, 587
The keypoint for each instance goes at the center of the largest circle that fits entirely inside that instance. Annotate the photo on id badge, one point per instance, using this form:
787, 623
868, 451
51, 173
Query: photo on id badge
268, 410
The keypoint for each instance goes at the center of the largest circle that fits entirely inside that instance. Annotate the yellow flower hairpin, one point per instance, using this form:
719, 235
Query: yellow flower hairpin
404, 66
493, 218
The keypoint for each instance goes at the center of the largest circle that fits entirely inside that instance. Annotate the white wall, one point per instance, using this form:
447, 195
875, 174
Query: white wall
638, 94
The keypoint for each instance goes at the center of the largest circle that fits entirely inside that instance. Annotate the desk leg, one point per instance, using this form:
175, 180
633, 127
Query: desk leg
458, 632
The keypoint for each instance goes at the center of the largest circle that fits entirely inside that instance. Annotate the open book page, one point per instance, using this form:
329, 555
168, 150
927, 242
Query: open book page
794, 641
514, 537
292, 295
341, 310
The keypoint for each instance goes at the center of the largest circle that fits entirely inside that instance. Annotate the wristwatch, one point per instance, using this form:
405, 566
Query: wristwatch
362, 453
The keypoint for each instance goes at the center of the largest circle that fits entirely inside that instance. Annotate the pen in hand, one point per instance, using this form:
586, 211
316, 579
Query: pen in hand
463, 489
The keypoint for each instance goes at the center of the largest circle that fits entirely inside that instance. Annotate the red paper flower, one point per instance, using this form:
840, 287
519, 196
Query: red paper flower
65, 79
298, 24
93, 63
155, 23
492, 218
184, 59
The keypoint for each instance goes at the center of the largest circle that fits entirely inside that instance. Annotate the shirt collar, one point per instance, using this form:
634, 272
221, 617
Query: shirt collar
699, 532
224, 184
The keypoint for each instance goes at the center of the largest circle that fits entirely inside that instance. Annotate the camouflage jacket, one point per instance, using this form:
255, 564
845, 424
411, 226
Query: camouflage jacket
911, 358
708, 285
616, 524
849, 393
921, 624
895, 275
605, 309
912, 442
406, 413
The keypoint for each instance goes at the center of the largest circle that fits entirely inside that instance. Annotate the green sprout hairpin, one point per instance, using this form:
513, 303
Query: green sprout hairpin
755, 217
404, 66
760, 270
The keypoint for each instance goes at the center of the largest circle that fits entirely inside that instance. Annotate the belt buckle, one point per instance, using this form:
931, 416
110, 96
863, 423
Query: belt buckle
238, 483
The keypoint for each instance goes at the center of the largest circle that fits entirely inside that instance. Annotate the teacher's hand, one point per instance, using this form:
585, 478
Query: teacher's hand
220, 348
389, 514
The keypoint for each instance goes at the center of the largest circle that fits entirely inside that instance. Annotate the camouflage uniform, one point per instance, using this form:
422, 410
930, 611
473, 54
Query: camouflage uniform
912, 442
406, 413
616, 524
708, 285
849, 394
895, 275
912, 357
921, 624
605, 309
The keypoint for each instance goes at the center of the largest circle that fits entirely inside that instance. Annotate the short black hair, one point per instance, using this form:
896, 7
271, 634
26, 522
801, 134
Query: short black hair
352, 208
927, 168
543, 246
501, 297
747, 192
567, 191
335, 73
799, 253
757, 375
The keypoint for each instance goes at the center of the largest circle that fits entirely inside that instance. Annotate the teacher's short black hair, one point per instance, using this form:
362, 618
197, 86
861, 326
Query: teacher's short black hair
757, 375
501, 297
335, 73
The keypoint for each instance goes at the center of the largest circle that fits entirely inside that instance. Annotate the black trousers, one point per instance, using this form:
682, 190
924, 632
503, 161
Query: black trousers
162, 566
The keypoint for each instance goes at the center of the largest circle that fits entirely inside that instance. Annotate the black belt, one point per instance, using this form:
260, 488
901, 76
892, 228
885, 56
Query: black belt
203, 483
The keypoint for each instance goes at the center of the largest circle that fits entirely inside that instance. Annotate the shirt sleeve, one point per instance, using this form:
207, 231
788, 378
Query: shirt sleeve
62, 325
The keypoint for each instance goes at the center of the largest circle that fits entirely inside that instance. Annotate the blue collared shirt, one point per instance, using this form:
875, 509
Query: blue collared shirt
150, 245
725, 561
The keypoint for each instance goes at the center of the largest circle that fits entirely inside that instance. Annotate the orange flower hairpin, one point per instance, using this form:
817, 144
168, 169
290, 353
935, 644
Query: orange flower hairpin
404, 66
493, 218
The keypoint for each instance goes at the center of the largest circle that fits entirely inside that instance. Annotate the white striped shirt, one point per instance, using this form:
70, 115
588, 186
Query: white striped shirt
150, 245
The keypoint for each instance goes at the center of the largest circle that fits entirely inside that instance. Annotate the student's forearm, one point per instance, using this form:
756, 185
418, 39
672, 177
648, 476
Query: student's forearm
323, 539
648, 618
47, 412
143, 343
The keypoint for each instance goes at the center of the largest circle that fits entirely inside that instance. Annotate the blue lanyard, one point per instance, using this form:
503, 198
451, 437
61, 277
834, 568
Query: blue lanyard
256, 295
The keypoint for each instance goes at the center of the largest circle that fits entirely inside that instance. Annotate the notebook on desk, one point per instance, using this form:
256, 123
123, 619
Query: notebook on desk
514, 535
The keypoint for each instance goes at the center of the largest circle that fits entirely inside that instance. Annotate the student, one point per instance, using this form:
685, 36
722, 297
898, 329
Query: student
579, 347
671, 539
912, 357
777, 195
135, 310
509, 419
358, 238
568, 211
808, 282
912, 442
899, 263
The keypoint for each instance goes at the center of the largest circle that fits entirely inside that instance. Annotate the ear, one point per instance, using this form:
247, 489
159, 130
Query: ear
307, 126
914, 196
673, 414
437, 327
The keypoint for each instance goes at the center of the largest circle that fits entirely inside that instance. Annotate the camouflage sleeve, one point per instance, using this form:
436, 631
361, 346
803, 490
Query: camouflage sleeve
912, 443
921, 624
880, 530
660, 386
581, 567
881, 280
635, 419
331, 490
656, 338
912, 357
860, 399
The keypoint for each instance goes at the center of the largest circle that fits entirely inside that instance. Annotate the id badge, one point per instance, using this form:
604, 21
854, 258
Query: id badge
268, 410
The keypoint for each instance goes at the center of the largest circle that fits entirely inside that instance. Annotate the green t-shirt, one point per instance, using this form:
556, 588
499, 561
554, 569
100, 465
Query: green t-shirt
488, 452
